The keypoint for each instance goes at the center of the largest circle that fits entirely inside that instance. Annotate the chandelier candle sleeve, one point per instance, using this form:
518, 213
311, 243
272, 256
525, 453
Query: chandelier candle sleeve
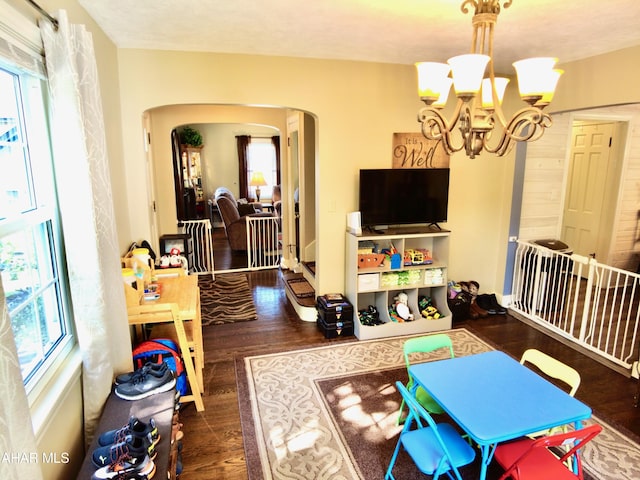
552, 80
467, 72
536, 77
487, 91
434, 82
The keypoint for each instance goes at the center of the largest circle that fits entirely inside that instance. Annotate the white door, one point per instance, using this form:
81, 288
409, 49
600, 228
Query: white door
151, 187
589, 173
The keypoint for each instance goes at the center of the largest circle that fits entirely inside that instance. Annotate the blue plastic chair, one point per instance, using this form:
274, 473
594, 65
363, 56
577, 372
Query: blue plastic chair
424, 344
434, 448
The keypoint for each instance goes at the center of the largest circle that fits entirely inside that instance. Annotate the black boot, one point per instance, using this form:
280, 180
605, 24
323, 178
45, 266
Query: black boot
484, 302
500, 310
490, 303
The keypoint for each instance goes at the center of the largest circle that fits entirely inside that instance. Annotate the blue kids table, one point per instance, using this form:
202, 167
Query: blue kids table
494, 399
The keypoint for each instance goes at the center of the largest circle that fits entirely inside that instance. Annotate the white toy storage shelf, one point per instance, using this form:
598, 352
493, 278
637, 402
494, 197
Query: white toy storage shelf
378, 285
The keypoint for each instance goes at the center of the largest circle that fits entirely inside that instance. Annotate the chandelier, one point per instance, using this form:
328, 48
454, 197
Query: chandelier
478, 113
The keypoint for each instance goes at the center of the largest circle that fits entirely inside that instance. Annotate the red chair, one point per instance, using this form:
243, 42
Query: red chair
528, 459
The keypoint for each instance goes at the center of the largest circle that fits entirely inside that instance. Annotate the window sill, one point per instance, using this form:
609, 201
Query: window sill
54, 390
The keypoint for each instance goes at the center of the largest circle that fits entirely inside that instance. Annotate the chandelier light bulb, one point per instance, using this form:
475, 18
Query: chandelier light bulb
487, 91
549, 89
535, 76
467, 71
444, 93
433, 81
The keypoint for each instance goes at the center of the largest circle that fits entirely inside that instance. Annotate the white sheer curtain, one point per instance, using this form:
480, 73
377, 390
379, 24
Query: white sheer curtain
16, 434
86, 204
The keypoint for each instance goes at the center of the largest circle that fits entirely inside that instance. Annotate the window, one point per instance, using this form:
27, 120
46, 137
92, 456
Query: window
261, 159
30, 240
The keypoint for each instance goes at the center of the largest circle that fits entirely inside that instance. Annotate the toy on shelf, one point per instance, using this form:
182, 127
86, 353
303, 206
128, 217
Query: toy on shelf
369, 256
370, 260
370, 316
434, 276
399, 311
417, 256
427, 309
395, 259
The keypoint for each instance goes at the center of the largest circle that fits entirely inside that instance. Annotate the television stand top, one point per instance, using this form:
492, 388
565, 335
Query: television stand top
406, 229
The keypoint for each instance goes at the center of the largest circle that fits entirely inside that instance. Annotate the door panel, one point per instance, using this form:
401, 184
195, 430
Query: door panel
586, 188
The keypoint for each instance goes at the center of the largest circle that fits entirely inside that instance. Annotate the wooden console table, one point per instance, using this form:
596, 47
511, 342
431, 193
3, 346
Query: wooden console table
179, 308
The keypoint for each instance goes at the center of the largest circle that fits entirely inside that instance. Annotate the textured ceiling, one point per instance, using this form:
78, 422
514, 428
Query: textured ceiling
391, 31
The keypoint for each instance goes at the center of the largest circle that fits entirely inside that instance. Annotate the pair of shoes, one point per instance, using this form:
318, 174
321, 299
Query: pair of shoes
132, 447
490, 303
146, 384
135, 427
127, 467
149, 368
476, 311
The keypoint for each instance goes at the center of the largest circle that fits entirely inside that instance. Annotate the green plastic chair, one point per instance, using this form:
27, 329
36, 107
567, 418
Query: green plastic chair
424, 345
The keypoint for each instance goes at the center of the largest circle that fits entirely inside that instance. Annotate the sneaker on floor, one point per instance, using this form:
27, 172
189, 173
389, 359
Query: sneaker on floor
145, 385
131, 447
135, 427
127, 468
156, 369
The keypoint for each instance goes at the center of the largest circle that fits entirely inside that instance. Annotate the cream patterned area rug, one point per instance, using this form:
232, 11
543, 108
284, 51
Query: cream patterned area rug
305, 417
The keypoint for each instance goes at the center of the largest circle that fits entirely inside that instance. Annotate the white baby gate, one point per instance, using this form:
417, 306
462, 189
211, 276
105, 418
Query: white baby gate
200, 256
589, 303
263, 242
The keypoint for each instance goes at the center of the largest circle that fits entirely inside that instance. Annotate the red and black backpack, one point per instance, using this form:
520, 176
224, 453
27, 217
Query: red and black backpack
161, 350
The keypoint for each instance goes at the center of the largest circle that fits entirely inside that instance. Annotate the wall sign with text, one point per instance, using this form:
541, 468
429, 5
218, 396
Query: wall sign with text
413, 150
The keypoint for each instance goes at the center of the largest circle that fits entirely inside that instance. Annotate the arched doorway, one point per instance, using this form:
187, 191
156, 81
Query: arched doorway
161, 121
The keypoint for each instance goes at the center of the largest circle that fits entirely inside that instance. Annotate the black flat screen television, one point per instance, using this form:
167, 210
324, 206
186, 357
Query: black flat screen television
403, 196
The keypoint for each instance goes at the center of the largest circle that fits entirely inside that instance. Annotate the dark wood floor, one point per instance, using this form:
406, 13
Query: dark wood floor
213, 445
223, 257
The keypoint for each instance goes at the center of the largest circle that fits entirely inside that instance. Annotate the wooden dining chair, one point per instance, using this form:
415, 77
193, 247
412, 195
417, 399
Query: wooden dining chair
424, 344
435, 448
529, 459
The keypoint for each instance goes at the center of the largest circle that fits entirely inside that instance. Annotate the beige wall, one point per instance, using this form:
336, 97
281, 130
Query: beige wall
220, 153
609, 79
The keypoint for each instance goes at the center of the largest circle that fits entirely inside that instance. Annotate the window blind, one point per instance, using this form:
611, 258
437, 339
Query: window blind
20, 42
